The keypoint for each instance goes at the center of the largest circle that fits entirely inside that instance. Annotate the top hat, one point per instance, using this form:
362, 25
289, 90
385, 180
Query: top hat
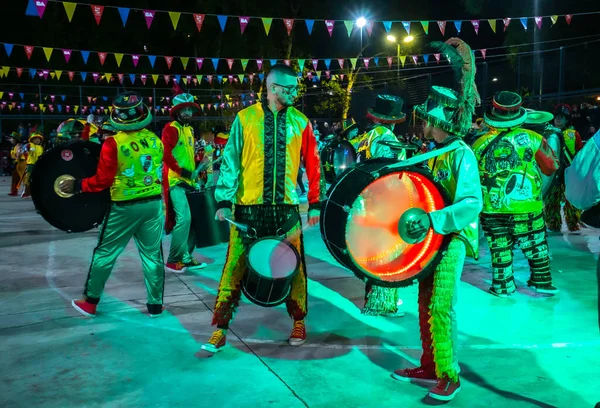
182, 101
387, 109
507, 111
348, 125
441, 110
129, 112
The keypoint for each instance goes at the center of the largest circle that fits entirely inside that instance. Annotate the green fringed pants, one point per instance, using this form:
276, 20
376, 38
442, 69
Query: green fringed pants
556, 196
380, 300
143, 221
182, 239
438, 295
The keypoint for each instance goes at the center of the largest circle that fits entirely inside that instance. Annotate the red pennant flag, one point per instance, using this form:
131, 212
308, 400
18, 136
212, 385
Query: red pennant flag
67, 54
121, 78
259, 64
96, 75
230, 63
289, 24
390, 61
102, 56
341, 62
329, 24
369, 27
136, 59
538, 22
506, 22
19, 72
442, 26
315, 63
144, 77
287, 62
569, 17
149, 16
475, 25
199, 62
243, 23
71, 75
199, 19
169, 61
437, 57
483, 52
97, 10
209, 105
167, 78
366, 61
28, 51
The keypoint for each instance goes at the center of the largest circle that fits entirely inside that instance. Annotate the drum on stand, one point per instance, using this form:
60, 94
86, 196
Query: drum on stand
68, 212
208, 231
336, 157
360, 222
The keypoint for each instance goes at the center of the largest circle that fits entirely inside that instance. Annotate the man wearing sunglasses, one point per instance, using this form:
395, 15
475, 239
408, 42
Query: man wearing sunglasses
259, 170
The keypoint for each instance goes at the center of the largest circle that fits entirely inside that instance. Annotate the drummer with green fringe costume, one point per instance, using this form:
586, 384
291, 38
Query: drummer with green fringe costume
179, 177
383, 117
131, 166
447, 118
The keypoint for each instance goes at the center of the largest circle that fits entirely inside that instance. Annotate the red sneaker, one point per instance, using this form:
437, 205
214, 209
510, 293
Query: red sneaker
217, 341
298, 335
445, 390
83, 307
419, 373
175, 267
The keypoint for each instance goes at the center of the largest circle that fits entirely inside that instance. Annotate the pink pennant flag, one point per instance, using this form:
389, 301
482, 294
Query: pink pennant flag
569, 17
390, 61
97, 10
102, 57
289, 24
89, 99
309, 75
67, 54
287, 62
11, 95
41, 7
507, 21
167, 78
28, 51
315, 63
442, 26
259, 63
341, 62
243, 23
149, 16
121, 78
329, 24
342, 76
475, 25
369, 27
415, 59
71, 75
68, 107
437, 57
19, 72
327, 74
251, 76
483, 52
136, 59
538, 22
366, 62
210, 79
144, 77
199, 62
189, 78
52, 97
169, 61
230, 63
199, 19
95, 75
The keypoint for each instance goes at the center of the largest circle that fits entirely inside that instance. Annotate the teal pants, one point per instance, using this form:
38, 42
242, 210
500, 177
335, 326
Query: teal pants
144, 223
182, 240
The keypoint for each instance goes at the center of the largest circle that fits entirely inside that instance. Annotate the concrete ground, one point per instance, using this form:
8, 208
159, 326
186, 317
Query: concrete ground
526, 351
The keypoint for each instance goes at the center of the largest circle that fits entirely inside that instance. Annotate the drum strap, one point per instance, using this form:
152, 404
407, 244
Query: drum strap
426, 156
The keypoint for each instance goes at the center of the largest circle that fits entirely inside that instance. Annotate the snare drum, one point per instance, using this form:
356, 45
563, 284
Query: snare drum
336, 157
360, 222
272, 264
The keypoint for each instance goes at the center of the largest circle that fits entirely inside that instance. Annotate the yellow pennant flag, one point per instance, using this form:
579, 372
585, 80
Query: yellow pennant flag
202, 106
105, 111
184, 61
10, 107
403, 59
228, 97
353, 62
42, 107
155, 78
119, 58
267, 23
174, 18
184, 79
48, 52
58, 74
76, 109
162, 110
110, 108
52, 75
69, 9
554, 19
492, 25
1, 95
108, 77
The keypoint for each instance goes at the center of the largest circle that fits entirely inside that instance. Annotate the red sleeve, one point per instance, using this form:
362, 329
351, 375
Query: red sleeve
107, 169
546, 159
85, 135
170, 137
578, 142
312, 164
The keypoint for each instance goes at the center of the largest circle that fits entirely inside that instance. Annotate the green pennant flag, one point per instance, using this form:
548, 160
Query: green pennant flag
403, 59
119, 58
492, 25
241, 77
319, 75
174, 18
425, 25
184, 62
301, 64
267, 23
244, 64
69, 9
349, 26
199, 78
353, 62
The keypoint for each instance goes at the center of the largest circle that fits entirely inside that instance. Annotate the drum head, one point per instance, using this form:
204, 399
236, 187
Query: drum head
337, 157
273, 259
360, 222
77, 213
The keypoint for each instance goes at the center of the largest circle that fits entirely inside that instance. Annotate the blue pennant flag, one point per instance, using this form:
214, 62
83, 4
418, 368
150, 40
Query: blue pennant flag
261, 76
105, 98
215, 62
327, 62
388, 26
220, 78
93, 109
273, 62
426, 58
59, 108
376, 61
132, 78
85, 55
124, 12
83, 76
8, 48
458, 25
524, 22
32, 72
314, 79
152, 59
309, 26
31, 9
22, 95
63, 97
22, 105
177, 79
222, 22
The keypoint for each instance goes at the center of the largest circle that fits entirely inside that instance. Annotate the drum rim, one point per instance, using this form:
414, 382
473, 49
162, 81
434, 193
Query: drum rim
283, 241
357, 269
328, 149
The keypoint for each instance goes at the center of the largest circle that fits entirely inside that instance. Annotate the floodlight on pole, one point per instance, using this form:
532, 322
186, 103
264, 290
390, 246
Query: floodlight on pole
408, 39
391, 38
361, 22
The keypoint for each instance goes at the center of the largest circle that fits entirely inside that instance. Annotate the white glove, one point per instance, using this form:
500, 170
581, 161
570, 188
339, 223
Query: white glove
90, 118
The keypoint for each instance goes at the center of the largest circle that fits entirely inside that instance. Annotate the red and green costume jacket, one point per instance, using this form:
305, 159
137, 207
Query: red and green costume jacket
179, 159
262, 157
131, 165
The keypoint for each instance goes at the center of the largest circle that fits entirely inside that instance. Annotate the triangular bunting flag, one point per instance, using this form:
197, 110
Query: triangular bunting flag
32, 72
149, 17
369, 27
475, 26
267, 24
19, 72
222, 22
102, 57
289, 24
83, 76
132, 78
390, 61
124, 13
287, 62
199, 19
506, 22
184, 62
95, 76
41, 7
143, 77
199, 62
538, 22
244, 64
167, 79
315, 63
199, 78
28, 51
403, 60
31, 9
108, 77
259, 64
9, 48
388, 26
300, 64
58, 74
241, 77
442, 27
406, 25
349, 26
309, 26
273, 62
67, 54
97, 10
119, 58
366, 62
174, 20
69, 9
329, 25
554, 19
524, 22
353, 62
415, 59
327, 62
135, 58
71, 75
215, 62
155, 76
52, 75
425, 25
48, 52
492, 25
152, 59
458, 25
483, 52
230, 63
85, 55
569, 17
121, 78
244, 20
341, 62
76, 108
169, 61
185, 80
426, 58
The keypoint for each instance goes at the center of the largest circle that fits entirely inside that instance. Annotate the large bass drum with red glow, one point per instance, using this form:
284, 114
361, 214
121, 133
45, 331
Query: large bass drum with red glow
360, 222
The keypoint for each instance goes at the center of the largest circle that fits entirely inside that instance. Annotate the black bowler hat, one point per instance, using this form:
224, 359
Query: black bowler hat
388, 109
506, 111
